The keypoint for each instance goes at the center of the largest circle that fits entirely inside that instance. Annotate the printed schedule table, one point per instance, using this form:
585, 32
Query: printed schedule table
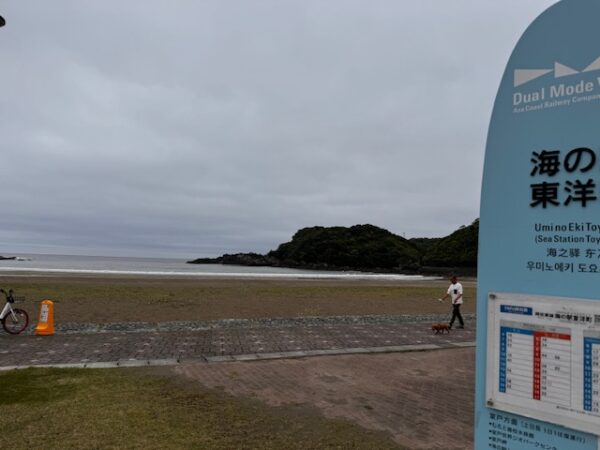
535, 364
552, 367
591, 373
544, 358
516, 361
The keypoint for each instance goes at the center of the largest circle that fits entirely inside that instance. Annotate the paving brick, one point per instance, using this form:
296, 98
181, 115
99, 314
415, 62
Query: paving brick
425, 400
25, 350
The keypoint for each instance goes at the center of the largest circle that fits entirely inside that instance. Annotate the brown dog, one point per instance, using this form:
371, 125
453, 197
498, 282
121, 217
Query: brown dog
439, 328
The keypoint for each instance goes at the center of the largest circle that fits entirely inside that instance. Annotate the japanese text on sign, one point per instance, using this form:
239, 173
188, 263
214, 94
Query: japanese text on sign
549, 163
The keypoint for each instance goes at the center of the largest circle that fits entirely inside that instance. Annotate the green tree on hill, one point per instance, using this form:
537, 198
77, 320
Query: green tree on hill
456, 250
364, 247
359, 246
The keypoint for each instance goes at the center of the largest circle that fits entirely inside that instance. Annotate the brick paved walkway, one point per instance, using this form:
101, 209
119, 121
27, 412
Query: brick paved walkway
425, 400
93, 349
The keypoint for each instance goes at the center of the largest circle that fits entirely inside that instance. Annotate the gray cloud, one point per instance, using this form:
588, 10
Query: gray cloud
197, 128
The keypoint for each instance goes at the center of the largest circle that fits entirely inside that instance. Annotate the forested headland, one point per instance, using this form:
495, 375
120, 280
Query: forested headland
366, 248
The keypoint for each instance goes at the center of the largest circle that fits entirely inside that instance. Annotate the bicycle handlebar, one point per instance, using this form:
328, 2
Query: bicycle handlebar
9, 295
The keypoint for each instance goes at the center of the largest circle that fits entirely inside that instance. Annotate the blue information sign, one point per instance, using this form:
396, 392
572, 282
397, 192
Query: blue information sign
540, 236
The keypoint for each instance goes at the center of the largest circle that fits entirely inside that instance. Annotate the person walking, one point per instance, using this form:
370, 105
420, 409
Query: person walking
455, 292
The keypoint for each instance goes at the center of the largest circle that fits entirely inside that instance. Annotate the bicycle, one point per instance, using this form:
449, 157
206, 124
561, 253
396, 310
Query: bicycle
14, 320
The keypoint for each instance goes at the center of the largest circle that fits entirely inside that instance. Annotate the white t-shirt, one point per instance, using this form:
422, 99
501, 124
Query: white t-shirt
455, 290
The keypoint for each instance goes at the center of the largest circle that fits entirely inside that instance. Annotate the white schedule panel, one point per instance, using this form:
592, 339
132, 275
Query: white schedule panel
543, 358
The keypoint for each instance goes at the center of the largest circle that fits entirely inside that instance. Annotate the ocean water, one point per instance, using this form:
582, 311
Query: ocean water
163, 267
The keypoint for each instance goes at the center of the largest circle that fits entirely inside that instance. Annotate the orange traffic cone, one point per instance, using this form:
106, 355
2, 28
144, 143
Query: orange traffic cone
45, 326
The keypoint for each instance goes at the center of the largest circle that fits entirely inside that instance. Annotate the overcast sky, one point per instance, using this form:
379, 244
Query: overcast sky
196, 128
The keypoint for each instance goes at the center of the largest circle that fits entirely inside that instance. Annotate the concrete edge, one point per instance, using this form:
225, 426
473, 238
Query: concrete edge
247, 357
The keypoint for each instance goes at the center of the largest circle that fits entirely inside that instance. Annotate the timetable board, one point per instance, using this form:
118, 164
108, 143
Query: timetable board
539, 236
543, 358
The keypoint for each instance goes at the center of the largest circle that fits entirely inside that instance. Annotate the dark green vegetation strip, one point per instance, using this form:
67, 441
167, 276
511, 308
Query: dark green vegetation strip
75, 409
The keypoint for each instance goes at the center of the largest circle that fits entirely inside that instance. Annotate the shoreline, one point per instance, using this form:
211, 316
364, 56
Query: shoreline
335, 275
223, 278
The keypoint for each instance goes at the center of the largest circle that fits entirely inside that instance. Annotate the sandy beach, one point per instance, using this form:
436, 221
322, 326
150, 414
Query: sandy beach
114, 298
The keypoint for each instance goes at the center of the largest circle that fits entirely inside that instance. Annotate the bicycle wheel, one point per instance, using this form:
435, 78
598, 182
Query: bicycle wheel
17, 322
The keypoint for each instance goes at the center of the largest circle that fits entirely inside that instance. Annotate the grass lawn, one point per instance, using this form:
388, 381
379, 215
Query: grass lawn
139, 408
156, 299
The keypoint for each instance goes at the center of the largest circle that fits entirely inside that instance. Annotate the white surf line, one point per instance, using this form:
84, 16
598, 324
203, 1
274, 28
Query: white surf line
247, 357
308, 275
